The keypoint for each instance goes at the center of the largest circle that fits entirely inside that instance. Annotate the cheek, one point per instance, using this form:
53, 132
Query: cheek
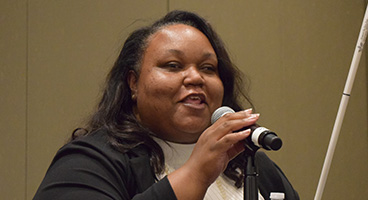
217, 93
154, 99
155, 89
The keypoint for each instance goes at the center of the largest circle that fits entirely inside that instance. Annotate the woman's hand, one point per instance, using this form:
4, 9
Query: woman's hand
217, 145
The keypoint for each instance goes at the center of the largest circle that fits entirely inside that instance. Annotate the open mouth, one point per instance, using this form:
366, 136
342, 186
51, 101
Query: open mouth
195, 100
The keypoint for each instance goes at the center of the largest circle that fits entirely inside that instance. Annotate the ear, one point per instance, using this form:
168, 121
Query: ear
133, 81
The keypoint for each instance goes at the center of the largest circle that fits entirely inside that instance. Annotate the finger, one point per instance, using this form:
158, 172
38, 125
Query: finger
248, 111
236, 150
228, 125
228, 141
237, 115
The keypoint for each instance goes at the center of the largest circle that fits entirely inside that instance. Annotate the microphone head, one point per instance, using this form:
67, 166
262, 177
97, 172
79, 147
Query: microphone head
219, 112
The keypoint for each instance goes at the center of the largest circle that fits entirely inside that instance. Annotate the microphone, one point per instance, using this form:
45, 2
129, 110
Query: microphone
260, 136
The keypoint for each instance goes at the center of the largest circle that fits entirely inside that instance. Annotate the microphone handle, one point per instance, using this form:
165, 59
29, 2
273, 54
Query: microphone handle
265, 138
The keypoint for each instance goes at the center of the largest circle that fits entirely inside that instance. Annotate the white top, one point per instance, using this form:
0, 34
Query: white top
177, 154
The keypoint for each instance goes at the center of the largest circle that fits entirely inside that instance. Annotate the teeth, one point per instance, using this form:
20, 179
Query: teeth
195, 98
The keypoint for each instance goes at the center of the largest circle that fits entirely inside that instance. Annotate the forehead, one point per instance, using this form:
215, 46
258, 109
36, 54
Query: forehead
177, 41
176, 34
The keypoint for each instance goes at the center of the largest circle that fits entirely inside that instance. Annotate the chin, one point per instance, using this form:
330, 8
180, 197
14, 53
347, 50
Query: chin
194, 130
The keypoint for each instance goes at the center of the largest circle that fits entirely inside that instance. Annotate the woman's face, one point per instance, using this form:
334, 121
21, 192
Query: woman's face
179, 87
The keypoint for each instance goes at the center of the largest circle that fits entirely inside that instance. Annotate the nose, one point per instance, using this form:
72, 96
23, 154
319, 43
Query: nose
193, 77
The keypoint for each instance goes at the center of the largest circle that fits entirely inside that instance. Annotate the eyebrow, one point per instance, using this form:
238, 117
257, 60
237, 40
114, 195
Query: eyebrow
175, 51
205, 55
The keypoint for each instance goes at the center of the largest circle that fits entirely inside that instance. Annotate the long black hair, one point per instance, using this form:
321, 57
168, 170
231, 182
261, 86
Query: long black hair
115, 110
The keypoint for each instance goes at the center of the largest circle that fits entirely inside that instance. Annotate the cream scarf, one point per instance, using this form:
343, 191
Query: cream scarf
177, 154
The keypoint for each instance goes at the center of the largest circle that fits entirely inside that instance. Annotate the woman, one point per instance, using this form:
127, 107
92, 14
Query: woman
151, 137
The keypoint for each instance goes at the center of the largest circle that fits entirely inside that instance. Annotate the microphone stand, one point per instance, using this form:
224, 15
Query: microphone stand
251, 175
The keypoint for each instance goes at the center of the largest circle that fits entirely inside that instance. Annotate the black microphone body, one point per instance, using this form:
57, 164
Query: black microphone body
260, 136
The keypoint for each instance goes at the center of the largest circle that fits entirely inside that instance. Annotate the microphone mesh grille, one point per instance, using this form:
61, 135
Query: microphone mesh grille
220, 112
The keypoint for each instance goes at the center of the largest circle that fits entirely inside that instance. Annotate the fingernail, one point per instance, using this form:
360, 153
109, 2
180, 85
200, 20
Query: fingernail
254, 115
246, 132
248, 111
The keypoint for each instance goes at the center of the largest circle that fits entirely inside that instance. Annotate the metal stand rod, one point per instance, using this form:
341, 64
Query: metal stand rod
342, 108
250, 179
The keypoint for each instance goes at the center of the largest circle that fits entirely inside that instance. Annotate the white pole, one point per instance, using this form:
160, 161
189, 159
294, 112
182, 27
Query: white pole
342, 107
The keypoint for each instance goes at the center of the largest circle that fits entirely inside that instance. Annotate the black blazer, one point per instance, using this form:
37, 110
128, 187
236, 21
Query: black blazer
89, 168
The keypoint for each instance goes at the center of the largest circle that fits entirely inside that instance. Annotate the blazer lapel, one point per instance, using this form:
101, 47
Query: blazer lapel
142, 172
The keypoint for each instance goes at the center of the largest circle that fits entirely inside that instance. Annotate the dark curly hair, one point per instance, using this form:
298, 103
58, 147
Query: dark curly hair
115, 110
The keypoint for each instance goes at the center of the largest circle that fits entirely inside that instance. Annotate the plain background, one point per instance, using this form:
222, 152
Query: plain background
54, 56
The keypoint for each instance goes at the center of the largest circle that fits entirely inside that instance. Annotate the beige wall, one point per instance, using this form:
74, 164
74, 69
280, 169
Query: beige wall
54, 56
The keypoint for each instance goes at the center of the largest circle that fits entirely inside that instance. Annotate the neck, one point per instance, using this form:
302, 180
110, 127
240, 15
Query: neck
176, 154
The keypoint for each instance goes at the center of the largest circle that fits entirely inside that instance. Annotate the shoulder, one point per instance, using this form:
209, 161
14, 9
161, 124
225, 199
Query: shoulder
98, 143
95, 146
96, 150
91, 162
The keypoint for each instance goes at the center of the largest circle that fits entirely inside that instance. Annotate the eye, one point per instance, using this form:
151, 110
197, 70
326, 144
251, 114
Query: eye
173, 66
209, 68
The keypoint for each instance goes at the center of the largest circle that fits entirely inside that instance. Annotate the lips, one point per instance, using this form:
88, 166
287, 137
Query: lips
195, 99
